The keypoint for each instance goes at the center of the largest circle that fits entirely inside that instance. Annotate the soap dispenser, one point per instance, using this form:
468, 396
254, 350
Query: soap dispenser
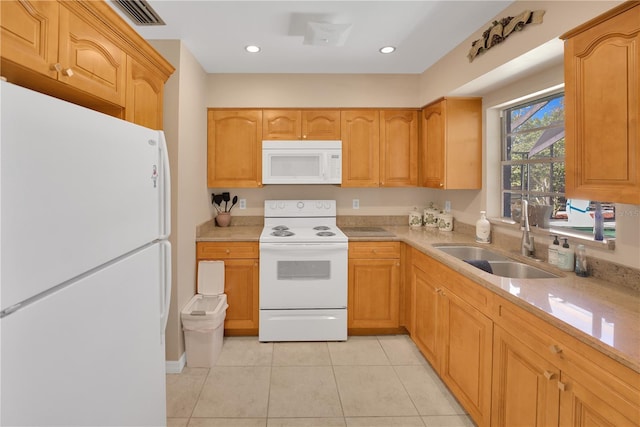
566, 257
553, 251
483, 229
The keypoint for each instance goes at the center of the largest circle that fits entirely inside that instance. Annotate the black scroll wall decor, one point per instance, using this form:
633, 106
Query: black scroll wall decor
500, 30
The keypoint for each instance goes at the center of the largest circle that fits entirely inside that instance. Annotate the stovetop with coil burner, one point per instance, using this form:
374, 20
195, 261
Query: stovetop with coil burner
301, 221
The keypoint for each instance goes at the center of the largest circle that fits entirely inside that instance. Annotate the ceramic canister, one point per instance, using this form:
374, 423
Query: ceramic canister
415, 219
431, 217
445, 222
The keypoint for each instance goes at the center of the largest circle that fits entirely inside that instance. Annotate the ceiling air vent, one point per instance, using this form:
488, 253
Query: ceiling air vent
140, 12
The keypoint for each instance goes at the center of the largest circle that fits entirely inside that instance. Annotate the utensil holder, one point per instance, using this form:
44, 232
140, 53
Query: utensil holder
223, 219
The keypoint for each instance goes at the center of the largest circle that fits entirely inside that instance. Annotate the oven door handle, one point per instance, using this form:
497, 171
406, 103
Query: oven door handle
281, 247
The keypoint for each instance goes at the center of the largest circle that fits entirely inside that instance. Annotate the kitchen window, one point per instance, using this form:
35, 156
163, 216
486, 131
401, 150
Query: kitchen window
533, 167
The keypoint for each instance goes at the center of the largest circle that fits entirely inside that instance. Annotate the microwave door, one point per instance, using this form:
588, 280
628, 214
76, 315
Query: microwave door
294, 168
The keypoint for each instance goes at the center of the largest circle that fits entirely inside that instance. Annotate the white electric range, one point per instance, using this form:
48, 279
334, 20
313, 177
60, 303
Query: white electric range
303, 272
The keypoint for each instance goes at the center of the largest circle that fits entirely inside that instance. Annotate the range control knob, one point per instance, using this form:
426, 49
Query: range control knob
300, 205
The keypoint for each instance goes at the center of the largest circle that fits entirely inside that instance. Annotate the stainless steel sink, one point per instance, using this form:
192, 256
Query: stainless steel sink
500, 265
471, 253
518, 270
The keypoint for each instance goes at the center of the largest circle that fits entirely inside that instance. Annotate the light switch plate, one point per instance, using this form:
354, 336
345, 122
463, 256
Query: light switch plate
243, 203
356, 203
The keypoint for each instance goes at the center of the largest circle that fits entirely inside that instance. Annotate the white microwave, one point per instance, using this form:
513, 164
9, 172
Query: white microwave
301, 162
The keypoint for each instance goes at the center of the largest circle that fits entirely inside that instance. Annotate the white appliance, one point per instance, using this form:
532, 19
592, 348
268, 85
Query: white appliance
301, 162
84, 265
303, 272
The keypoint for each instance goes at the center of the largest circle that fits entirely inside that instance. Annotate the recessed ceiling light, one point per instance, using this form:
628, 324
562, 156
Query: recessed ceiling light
387, 49
252, 49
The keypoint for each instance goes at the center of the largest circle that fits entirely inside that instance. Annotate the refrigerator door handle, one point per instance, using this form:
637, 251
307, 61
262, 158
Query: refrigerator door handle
165, 195
165, 297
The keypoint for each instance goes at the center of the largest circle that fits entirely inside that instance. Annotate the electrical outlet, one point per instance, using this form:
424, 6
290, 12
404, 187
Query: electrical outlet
356, 203
447, 206
243, 204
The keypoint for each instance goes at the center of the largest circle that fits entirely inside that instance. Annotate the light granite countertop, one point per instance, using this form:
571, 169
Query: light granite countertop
571, 303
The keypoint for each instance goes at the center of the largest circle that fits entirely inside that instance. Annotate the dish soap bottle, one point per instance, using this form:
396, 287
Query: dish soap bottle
581, 261
483, 229
565, 257
552, 256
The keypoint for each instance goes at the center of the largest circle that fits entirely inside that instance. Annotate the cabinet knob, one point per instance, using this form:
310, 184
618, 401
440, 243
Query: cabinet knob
555, 349
562, 386
304, 136
548, 375
228, 251
56, 67
374, 251
67, 72
441, 184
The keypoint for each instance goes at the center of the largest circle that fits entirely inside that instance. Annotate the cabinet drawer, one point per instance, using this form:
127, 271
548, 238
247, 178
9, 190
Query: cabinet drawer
227, 250
372, 250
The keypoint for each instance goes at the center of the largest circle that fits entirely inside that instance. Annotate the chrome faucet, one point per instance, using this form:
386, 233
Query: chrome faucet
526, 247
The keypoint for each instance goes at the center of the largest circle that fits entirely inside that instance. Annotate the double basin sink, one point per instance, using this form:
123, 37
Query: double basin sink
495, 263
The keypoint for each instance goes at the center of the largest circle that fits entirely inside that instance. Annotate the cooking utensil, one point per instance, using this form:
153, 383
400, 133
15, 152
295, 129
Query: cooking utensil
218, 200
226, 197
233, 202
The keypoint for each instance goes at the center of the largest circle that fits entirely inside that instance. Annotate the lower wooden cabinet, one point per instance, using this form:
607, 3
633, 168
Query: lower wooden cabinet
454, 336
241, 270
374, 286
525, 389
543, 376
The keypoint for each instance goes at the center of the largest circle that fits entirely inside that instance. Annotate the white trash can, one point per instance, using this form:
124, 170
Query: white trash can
203, 316
203, 325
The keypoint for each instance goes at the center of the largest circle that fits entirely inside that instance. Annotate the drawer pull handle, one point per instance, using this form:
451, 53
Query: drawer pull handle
548, 375
555, 349
562, 386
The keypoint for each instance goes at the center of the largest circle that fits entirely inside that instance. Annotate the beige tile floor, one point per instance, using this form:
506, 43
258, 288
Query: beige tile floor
366, 381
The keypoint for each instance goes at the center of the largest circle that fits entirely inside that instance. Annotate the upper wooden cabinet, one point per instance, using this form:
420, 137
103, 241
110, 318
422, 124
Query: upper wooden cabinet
30, 35
379, 148
451, 144
360, 148
301, 124
145, 88
602, 107
88, 59
234, 148
398, 148
85, 53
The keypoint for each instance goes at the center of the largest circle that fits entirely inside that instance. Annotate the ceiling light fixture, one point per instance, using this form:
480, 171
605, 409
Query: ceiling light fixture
252, 49
387, 49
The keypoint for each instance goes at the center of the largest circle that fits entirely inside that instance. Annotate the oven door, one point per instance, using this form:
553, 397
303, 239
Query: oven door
303, 275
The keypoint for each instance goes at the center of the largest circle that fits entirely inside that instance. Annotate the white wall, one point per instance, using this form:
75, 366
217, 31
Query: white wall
186, 130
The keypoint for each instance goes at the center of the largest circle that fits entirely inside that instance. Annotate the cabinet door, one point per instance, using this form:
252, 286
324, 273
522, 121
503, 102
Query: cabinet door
374, 292
321, 124
89, 60
360, 130
432, 146
29, 34
602, 110
398, 148
587, 403
144, 95
281, 124
465, 361
425, 312
234, 148
241, 287
525, 385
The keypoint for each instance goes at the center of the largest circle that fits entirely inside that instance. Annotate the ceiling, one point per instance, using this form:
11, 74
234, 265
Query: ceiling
216, 33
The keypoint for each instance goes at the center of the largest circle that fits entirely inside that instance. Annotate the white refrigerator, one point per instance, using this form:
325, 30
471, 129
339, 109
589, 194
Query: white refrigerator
84, 265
